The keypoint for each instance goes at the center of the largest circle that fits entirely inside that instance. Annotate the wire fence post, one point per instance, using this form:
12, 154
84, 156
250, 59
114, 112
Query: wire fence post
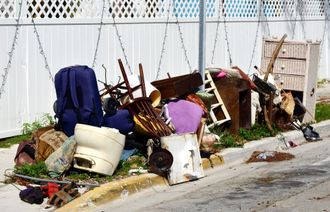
202, 40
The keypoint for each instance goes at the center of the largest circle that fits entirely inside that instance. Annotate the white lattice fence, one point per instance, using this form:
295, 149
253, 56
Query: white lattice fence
7, 8
69, 33
116, 8
158, 8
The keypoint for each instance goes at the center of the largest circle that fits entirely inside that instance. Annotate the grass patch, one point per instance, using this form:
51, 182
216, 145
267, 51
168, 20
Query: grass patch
27, 130
228, 140
8, 142
258, 131
39, 170
322, 82
134, 162
45, 120
33, 170
322, 112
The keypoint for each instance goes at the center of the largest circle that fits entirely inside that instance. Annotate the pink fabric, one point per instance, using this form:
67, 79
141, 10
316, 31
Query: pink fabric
221, 74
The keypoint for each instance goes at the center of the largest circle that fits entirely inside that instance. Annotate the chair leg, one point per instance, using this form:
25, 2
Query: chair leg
143, 86
123, 72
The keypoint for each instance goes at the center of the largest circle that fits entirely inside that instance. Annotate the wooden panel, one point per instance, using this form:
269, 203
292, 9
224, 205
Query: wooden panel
236, 95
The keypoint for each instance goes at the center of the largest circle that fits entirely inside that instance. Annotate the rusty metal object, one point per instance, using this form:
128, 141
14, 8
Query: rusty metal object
177, 86
160, 161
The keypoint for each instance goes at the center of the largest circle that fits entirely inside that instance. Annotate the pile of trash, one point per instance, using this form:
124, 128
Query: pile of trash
167, 121
95, 130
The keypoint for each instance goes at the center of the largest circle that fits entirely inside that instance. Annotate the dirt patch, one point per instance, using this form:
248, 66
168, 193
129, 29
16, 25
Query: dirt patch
267, 156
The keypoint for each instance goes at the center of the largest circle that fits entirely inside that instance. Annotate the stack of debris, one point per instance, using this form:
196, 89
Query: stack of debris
167, 121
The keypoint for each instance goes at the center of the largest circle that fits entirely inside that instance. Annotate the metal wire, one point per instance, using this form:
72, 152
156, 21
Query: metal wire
293, 28
226, 36
256, 37
181, 37
41, 49
265, 17
120, 40
300, 9
216, 34
164, 40
11, 52
99, 35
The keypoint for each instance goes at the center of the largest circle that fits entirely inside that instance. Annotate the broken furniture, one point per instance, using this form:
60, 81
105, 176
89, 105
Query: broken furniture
141, 107
98, 149
174, 87
236, 96
218, 104
266, 101
296, 67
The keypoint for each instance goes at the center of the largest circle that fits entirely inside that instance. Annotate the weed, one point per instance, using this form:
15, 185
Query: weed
38, 169
45, 120
321, 83
121, 171
8, 142
133, 162
322, 112
257, 132
230, 140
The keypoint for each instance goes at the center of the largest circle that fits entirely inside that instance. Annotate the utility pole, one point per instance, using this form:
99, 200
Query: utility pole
202, 40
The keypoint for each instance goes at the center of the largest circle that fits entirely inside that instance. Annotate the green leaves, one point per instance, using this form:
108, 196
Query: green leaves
33, 170
322, 112
45, 120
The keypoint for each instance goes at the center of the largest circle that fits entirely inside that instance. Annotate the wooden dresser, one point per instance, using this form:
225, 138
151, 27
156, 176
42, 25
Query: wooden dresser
296, 67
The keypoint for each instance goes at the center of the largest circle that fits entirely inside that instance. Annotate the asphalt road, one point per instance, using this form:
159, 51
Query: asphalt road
300, 184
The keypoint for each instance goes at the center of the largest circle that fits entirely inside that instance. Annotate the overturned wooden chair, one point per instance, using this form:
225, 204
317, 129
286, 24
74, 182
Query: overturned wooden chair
141, 107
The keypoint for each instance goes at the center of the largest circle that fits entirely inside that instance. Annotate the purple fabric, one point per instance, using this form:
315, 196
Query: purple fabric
185, 116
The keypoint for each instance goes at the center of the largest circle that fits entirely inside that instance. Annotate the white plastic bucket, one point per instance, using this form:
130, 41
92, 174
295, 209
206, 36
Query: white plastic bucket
151, 92
98, 149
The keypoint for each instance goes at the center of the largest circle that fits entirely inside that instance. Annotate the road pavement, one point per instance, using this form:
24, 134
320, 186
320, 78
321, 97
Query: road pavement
300, 184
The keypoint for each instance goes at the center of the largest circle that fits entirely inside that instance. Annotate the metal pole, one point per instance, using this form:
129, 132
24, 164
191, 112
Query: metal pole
202, 40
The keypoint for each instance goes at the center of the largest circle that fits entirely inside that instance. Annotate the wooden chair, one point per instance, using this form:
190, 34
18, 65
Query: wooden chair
141, 107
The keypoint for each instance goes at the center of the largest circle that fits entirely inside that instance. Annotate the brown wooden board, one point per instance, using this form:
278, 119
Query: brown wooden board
236, 95
177, 86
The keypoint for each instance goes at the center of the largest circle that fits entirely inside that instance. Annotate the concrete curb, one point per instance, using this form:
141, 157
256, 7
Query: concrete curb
112, 191
118, 189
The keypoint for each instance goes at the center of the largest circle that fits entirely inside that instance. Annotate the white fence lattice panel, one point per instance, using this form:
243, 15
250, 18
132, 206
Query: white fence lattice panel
130, 9
7, 8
